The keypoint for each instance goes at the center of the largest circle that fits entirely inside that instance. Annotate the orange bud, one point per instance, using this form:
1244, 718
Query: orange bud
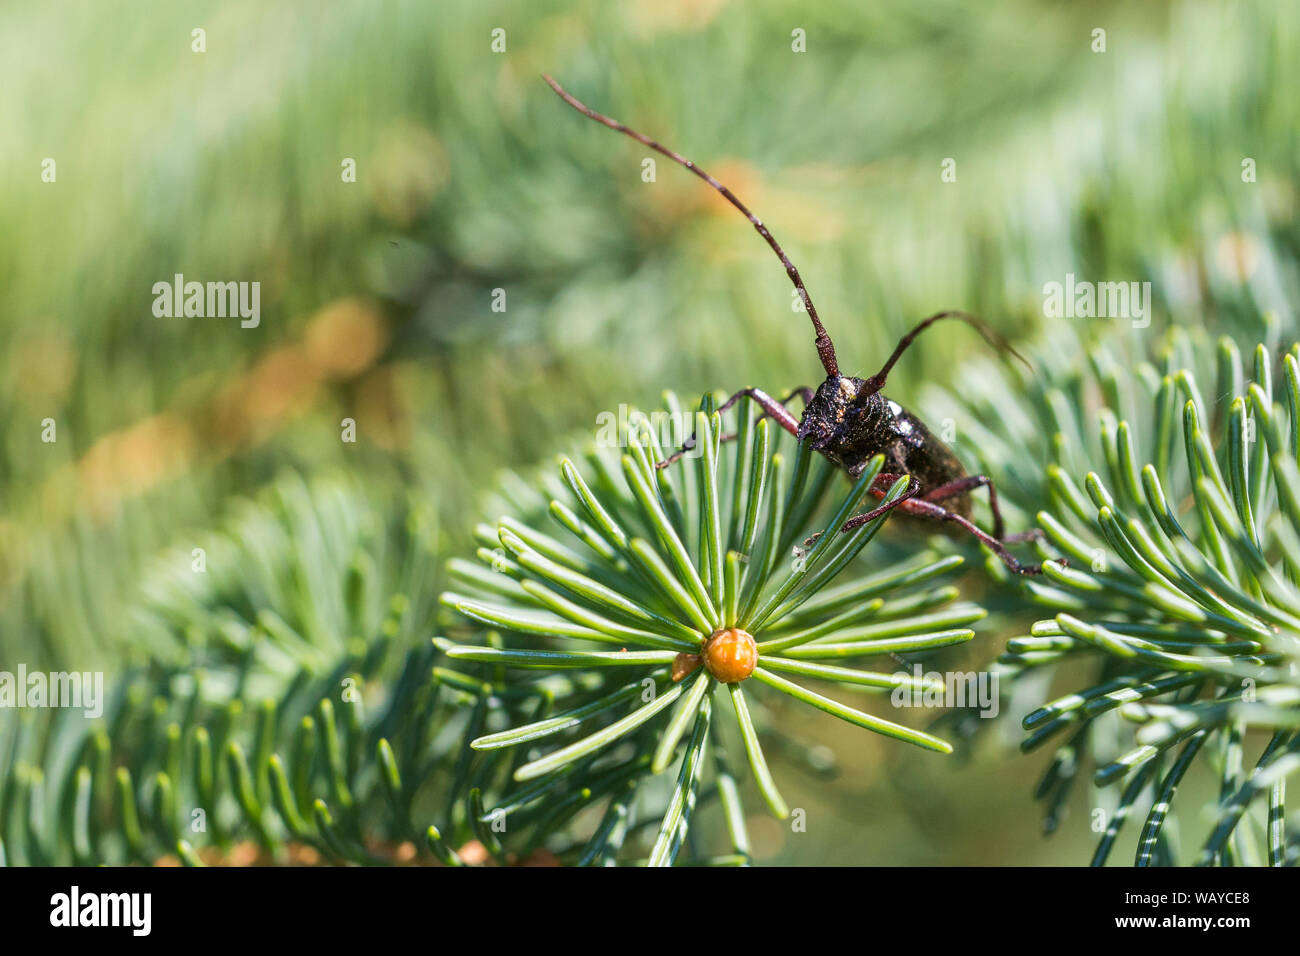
731, 655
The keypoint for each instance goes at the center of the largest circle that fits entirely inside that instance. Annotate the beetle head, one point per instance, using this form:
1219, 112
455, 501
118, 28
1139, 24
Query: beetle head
842, 408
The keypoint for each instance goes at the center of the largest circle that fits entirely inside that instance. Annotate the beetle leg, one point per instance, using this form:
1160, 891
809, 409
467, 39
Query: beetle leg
970, 483
805, 393
1033, 534
925, 506
858, 521
961, 486
772, 408
862, 519
921, 508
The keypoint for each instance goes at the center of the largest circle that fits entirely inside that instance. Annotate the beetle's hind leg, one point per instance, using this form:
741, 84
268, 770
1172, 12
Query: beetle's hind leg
772, 408
970, 483
961, 486
924, 508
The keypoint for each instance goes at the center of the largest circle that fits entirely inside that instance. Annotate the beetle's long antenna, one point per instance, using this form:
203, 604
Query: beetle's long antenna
877, 381
825, 349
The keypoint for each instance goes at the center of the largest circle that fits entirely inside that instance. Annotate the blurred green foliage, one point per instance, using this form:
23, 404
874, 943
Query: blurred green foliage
471, 176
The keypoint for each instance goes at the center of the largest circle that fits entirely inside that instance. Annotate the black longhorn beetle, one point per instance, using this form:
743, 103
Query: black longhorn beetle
848, 420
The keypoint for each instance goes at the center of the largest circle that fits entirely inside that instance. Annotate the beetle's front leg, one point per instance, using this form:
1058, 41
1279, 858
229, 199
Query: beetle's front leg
887, 479
772, 409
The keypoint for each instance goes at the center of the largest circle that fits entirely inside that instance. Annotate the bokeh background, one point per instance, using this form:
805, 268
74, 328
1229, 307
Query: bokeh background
376, 296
